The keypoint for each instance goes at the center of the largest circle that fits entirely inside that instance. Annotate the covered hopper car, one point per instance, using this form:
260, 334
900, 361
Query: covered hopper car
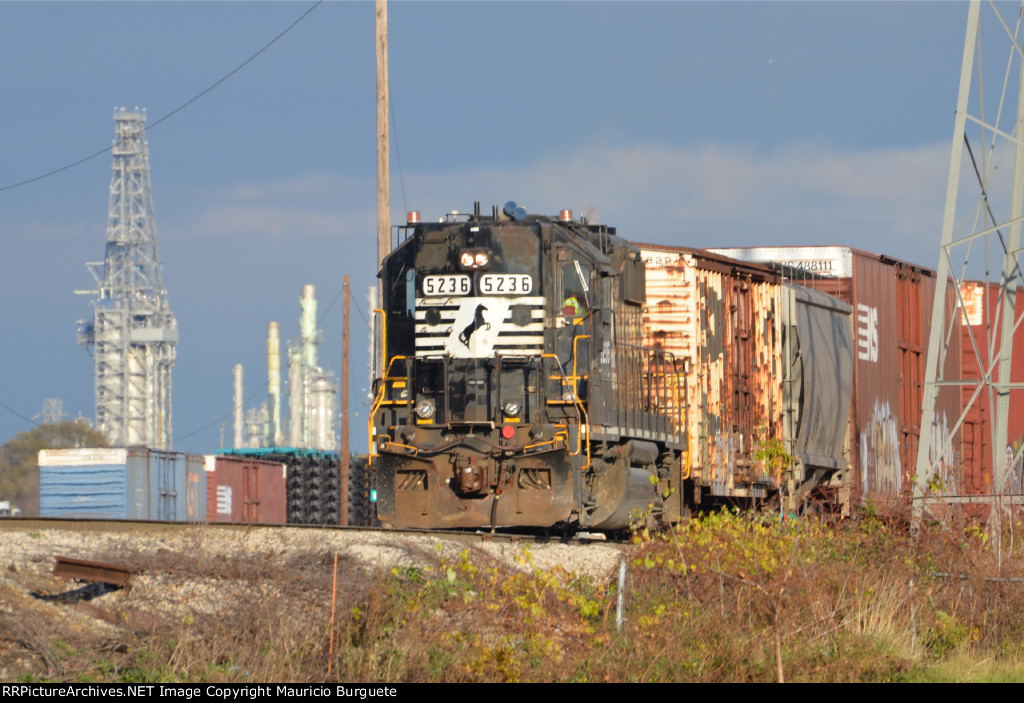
542, 371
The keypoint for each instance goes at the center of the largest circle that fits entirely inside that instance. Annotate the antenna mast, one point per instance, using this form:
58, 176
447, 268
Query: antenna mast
980, 254
133, 333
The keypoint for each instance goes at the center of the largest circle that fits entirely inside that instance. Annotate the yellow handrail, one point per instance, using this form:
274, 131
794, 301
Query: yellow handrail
379, 399
375, 406
576, 396
414, 450
383, 336
575, 378
369, 424
584, 427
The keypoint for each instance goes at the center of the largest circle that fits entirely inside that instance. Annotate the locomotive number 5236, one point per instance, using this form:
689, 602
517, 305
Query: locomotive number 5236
506, 283
446, 285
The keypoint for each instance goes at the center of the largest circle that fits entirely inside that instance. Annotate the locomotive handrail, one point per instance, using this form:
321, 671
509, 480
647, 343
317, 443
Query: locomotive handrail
413, 449
397, 232
575, 378
576, 397
379, 397
383, 339
669, 359
654, 384
385, 442
584, 425
581, 418
377, 402
369, 427
552, 442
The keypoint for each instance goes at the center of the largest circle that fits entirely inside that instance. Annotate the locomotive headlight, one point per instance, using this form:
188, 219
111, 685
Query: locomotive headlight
512, 408
425, 409
474, 259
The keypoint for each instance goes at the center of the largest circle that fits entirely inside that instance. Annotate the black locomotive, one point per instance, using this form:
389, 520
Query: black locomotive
523, 383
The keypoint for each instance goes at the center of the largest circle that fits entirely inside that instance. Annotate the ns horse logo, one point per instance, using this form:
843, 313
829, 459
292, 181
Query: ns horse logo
477, 323
475, 328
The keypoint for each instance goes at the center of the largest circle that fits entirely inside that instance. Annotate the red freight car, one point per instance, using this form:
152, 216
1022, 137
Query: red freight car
242, 489
979, 315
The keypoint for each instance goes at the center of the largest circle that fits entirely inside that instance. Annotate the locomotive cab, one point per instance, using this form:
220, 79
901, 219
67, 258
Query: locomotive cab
514, 389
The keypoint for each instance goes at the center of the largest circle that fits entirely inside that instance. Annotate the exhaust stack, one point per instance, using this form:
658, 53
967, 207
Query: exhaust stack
274, 382
239, 413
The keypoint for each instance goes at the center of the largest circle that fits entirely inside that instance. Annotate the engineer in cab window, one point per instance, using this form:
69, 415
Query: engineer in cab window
573, 306
574, 290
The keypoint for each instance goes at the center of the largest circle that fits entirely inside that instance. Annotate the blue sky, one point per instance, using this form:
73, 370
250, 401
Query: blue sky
699, 124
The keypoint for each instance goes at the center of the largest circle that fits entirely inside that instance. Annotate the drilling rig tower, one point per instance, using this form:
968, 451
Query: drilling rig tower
133, 333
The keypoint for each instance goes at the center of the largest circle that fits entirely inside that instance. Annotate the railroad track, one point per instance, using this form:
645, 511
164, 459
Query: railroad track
30, 524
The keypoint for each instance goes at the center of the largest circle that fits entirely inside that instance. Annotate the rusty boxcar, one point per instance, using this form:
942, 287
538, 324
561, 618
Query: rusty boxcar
245, 489
766, 363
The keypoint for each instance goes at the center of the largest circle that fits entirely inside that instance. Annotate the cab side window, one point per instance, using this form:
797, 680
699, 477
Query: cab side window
575, 292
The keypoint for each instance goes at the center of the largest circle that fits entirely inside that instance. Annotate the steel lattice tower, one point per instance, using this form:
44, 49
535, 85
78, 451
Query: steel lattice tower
133, 333
980, 252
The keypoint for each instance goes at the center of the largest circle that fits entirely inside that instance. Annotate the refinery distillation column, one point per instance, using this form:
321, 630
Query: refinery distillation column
133, 333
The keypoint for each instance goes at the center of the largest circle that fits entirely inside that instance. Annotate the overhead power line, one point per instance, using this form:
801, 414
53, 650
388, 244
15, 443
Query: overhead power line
173, 112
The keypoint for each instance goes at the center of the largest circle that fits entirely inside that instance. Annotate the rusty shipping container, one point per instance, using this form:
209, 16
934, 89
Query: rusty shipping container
312, 482
732, 328
245, 489
892, 303
978, 316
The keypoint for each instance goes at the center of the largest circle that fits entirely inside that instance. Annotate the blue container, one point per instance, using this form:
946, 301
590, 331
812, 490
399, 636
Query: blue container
122, 484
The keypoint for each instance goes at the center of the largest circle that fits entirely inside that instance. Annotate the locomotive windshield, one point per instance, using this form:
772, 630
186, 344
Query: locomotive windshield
575, 288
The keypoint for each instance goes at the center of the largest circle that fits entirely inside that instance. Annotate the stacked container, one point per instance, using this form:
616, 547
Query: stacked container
122, 484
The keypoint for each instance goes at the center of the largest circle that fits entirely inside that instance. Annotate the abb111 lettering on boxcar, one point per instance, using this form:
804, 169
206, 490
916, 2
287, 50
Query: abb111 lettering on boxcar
523, 381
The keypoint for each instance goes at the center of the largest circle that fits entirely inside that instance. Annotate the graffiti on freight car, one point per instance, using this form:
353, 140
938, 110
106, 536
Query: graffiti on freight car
867, 333
1014, 471
880, 468
940, 455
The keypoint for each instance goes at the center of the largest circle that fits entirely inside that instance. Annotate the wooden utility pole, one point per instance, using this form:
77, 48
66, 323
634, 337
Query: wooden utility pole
383, 148
344, 407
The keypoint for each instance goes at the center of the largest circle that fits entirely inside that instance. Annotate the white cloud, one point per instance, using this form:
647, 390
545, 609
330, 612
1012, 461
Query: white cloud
314, 186
314, 205
887, 200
